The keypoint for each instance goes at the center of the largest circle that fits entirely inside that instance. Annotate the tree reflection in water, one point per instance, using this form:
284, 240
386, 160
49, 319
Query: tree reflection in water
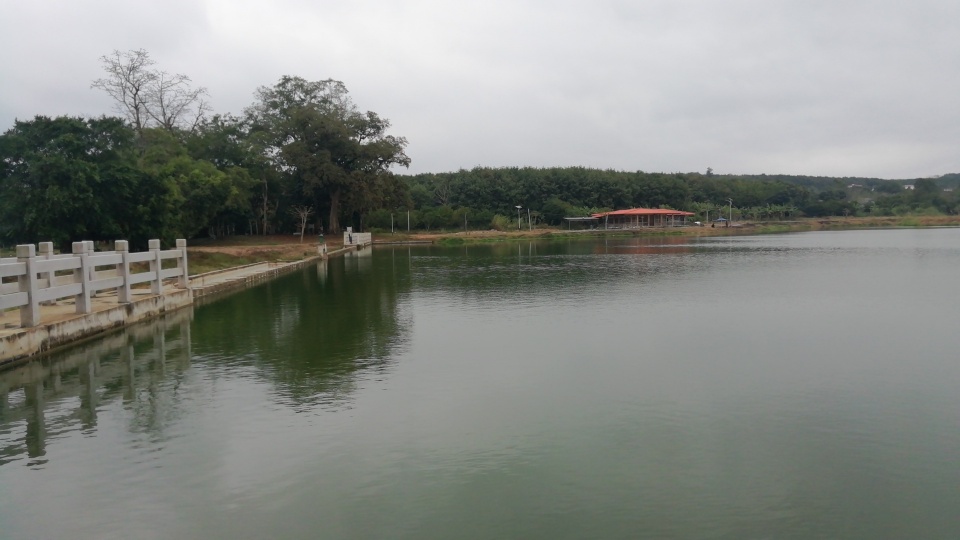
308, 333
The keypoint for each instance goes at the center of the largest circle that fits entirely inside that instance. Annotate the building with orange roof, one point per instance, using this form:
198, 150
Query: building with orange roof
635, 218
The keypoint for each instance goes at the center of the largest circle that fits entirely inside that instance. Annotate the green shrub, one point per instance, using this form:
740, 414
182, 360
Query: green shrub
501, 223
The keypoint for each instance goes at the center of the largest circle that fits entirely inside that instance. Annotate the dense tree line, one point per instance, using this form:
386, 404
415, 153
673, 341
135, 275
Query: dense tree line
484, 197
303, 155
165, 169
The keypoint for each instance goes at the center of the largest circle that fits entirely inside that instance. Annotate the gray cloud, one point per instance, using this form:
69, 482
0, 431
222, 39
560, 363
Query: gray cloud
845, 87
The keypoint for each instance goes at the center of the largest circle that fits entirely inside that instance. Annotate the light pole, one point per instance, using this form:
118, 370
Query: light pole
518, 216
730, 213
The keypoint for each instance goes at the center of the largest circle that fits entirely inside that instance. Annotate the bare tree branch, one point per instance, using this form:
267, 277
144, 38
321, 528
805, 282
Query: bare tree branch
147, 96
128, 82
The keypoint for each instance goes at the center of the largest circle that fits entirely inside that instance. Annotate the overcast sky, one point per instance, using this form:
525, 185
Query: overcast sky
820, 87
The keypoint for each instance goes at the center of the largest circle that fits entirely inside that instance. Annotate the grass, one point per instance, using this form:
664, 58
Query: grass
250, 240
202, 262
775, 228
912, 221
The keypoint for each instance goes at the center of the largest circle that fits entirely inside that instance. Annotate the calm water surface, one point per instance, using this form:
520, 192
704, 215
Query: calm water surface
790, 386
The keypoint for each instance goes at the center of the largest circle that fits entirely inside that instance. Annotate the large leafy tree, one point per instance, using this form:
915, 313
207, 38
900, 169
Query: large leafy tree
192, 192
66, 178
225, 141
328, 151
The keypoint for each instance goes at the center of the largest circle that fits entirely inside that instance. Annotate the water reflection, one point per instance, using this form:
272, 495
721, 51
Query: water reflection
520, 271
309, 333
61, 393
802, 392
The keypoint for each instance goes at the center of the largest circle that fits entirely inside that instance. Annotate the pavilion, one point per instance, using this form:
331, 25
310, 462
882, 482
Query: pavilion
634, 218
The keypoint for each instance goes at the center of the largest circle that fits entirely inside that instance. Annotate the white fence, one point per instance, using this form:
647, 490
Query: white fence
46, 277
351, 238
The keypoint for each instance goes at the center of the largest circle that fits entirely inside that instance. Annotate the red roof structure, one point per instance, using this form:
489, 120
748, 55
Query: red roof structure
644, 212
644, 217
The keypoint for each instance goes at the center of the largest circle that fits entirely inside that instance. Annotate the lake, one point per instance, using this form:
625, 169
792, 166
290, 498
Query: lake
783, 386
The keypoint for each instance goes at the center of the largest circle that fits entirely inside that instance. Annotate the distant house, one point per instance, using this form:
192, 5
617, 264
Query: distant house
851, 186
634, 218
908, 186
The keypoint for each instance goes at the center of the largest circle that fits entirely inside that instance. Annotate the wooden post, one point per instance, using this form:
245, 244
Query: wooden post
30, 313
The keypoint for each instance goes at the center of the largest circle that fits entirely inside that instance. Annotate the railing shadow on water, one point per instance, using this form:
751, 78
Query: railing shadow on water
77, 381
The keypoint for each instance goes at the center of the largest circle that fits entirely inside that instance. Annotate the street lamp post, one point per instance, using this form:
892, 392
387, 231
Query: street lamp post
518, 216
730, 213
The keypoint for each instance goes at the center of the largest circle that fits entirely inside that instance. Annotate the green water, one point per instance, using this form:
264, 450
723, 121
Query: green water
785, 386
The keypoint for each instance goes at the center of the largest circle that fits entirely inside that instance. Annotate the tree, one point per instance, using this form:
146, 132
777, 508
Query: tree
889, 187
173, 104
129, 76
64, 179
226, 141
146, 96
327, 150
194, 192
302, 213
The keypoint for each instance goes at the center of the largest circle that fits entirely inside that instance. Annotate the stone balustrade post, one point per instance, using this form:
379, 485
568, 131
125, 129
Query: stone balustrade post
30, 313
82, 276
46, 253
184, 281
156, 286
92, 272
122, 247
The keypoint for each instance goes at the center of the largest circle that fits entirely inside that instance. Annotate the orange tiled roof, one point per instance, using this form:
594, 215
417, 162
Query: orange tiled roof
644, 212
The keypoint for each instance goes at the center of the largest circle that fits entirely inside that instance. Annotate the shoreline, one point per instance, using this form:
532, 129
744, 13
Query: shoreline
738, 228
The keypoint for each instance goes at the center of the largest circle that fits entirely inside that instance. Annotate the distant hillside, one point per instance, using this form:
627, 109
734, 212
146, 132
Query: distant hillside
823, 183
951, 180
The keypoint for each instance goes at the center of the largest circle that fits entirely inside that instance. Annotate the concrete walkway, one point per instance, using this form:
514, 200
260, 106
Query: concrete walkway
66, 309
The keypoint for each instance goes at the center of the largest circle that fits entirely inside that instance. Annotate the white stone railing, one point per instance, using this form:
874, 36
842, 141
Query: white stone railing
37, 279
357, 239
